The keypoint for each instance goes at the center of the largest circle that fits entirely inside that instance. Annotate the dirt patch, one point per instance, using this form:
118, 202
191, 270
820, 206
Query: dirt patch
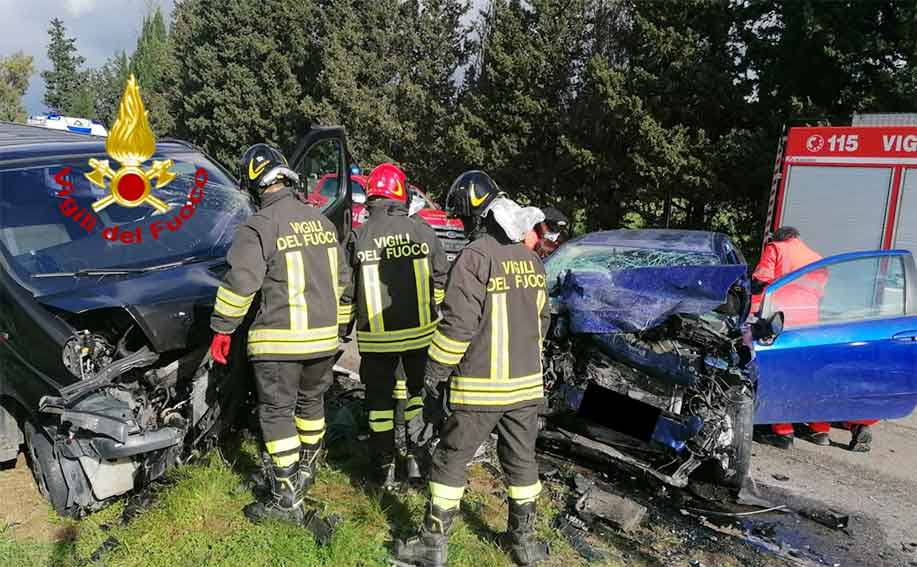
26, 516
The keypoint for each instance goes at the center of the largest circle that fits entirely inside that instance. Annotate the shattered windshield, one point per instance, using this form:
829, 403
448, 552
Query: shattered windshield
47, 228
609, 258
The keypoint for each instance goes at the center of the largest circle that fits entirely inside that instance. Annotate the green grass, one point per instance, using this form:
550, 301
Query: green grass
198, 520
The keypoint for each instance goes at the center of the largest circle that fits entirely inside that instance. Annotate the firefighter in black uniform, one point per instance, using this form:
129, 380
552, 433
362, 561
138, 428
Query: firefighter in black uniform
488, 347
290, 253
399, 275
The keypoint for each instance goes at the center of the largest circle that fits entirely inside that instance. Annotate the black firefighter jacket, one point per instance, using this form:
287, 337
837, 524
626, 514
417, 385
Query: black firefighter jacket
289, 252
494, 318
399, 275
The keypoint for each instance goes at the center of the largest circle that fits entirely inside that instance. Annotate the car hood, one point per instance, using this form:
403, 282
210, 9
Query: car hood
171, 306
641, 298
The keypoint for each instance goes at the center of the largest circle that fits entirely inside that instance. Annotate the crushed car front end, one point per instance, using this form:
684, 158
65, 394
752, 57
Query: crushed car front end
650, 361
103, 360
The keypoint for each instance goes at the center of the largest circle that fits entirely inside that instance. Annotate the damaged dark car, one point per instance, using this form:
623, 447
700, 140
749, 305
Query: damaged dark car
105, 377
650, 361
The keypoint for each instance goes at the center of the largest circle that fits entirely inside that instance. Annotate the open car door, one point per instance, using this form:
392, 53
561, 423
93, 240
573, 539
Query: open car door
848, 350
322, 161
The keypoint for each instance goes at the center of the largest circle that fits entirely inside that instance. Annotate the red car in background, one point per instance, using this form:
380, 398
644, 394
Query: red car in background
450, 231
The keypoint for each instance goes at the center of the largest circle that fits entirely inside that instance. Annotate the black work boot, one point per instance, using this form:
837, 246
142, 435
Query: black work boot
860, 439
519, 540
411, 468
819, 438
285, 500
386, 473
429, 548
309, 456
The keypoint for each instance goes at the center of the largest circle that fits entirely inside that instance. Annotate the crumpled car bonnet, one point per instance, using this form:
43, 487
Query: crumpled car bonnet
641, 298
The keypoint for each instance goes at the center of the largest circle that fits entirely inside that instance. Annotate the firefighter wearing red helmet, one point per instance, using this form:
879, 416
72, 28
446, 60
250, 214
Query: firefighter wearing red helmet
399, 274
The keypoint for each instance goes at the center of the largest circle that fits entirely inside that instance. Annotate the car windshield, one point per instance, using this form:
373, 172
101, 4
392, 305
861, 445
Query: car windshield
37, 238
610, 258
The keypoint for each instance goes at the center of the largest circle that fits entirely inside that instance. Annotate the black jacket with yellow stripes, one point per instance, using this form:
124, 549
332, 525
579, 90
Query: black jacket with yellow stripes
494, 319
399, 275
290, 252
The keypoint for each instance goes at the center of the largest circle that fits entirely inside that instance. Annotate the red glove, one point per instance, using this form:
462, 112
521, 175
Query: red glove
219, 347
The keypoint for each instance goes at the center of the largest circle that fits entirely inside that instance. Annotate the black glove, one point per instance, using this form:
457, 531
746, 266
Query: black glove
436, 407
344, 330
435, 387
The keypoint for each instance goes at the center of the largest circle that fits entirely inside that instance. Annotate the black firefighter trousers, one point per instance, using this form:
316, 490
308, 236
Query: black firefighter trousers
462, 434
384, 388
291, 405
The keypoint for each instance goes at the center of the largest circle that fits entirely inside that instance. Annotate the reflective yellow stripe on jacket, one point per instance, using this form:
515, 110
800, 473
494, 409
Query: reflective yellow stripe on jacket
230, 304
445, 350
422, 285
299, 339
345, 314
489, 392
396, 341
499, 338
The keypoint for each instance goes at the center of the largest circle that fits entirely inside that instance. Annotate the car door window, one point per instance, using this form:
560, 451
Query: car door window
320, 171
861, 288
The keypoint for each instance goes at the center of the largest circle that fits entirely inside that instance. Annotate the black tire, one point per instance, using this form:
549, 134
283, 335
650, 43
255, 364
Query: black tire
742, 405
48, 472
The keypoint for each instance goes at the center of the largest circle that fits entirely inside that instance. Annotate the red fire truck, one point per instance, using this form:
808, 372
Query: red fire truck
849, 188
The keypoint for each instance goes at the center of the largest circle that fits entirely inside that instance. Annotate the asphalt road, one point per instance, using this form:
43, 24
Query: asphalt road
877, 489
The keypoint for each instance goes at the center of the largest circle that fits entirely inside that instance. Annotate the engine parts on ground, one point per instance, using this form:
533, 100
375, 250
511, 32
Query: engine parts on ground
575, 532
621, 512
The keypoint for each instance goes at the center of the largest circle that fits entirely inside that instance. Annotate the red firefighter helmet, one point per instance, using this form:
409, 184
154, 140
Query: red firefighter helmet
387, 181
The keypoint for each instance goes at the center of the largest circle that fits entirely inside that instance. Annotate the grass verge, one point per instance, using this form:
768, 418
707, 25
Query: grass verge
197, 520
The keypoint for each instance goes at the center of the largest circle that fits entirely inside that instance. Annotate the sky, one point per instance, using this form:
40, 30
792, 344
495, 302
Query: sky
101, 28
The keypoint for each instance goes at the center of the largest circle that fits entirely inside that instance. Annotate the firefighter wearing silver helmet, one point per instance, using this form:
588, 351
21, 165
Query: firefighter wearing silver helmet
485, 365
287, 256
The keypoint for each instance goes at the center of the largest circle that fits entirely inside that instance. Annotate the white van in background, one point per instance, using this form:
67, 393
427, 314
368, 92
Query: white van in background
68, 123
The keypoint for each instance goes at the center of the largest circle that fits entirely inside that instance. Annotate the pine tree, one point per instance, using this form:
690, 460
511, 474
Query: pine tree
520, 91
151, 64
15, 72
62, 81
242, 77
108, 85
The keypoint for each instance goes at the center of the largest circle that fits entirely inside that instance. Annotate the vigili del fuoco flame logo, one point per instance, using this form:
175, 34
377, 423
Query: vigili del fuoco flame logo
131, 143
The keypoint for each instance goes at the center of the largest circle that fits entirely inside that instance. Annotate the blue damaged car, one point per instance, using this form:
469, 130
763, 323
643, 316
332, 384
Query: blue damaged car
655, 360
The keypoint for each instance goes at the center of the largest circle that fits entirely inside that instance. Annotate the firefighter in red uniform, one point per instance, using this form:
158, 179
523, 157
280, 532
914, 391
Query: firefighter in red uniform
799, 301
400, 272
288, 255
487, 348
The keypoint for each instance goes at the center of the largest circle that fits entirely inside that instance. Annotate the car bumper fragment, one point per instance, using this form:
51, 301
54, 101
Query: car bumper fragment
161, 438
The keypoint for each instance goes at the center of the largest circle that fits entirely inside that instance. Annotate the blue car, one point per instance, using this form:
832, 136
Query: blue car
655, 360
855, 356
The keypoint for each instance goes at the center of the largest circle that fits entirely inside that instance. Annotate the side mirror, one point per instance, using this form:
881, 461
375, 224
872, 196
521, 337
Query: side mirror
766, 330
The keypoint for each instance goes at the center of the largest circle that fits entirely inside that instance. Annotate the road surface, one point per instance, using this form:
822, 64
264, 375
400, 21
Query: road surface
877, 489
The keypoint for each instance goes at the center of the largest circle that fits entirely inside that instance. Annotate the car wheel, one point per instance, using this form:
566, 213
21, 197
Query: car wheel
49, 473
732, 473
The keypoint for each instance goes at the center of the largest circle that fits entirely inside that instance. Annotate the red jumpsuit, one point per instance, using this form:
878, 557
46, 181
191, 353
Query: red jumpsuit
798, 300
